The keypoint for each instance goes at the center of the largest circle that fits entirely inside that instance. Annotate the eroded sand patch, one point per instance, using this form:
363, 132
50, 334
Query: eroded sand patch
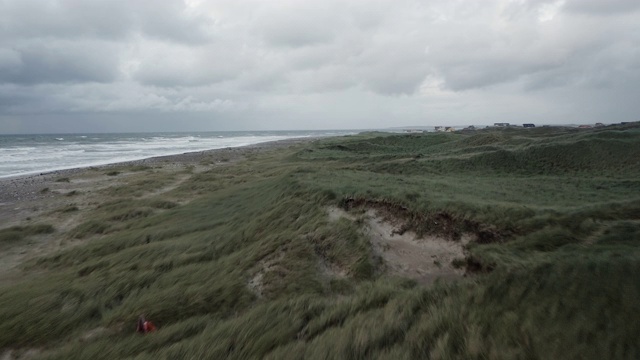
423, 259
256, 283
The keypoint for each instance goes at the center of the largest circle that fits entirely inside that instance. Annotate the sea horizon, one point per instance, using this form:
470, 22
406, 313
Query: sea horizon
29, 154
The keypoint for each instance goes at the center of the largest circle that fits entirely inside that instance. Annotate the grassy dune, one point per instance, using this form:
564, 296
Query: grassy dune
231, 263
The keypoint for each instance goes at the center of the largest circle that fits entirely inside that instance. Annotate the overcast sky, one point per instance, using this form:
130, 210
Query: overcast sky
172, 65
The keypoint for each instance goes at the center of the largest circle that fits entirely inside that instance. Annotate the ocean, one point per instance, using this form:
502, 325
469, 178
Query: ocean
33, 154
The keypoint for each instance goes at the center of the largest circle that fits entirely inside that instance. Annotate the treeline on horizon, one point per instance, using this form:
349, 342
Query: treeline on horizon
231, 263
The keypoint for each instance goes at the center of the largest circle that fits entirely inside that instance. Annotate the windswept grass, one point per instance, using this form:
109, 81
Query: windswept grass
243, 262
18, 233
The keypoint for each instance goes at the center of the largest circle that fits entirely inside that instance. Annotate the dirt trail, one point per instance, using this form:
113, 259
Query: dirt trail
422, 259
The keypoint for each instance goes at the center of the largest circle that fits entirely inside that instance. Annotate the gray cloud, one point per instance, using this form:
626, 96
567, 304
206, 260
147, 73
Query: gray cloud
317, 64
31, 19
599, 7
86, 41
112, 20
165, 65
295, 30
100, 98
59, 62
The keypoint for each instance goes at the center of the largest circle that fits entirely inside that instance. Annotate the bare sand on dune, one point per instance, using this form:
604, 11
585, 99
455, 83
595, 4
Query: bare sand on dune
423, 259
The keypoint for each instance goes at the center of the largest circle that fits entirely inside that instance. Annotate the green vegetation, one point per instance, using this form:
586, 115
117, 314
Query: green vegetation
139, 187
72, 193
231, 263
119, 169
15, 234
68, 208
136, 168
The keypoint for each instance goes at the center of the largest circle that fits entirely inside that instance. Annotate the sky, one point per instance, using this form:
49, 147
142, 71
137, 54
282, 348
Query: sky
199, 65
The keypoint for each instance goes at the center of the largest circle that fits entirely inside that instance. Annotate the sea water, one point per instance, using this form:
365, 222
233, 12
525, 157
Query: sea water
33, 154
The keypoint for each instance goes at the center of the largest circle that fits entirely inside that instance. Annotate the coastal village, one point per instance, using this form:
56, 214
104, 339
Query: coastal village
503, 125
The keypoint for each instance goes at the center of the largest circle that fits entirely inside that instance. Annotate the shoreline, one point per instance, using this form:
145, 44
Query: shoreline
125, 162
25, 197
14, 187
29, 200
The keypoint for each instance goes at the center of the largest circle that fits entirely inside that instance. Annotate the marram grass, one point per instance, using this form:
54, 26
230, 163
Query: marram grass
557, 276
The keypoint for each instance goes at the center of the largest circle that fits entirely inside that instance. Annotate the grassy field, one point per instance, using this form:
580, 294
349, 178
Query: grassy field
231, 263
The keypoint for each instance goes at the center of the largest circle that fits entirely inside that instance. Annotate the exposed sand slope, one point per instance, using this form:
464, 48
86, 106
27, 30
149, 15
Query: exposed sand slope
422, 259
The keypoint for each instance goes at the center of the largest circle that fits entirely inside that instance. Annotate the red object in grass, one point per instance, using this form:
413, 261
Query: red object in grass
149, 327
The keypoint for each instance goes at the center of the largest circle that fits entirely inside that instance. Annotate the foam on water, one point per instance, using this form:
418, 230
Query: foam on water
32, 154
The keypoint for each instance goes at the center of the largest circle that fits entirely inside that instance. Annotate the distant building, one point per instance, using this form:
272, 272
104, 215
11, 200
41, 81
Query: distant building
529, 125
585, 127
470, 127
439, 128
599, 125
449, 129
501, 124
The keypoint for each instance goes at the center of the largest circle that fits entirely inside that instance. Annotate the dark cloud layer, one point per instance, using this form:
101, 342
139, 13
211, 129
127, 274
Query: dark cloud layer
115, 65
106, 19
60, 62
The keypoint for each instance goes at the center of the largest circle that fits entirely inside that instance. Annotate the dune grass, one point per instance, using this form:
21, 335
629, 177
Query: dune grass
240, 269
15, 234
